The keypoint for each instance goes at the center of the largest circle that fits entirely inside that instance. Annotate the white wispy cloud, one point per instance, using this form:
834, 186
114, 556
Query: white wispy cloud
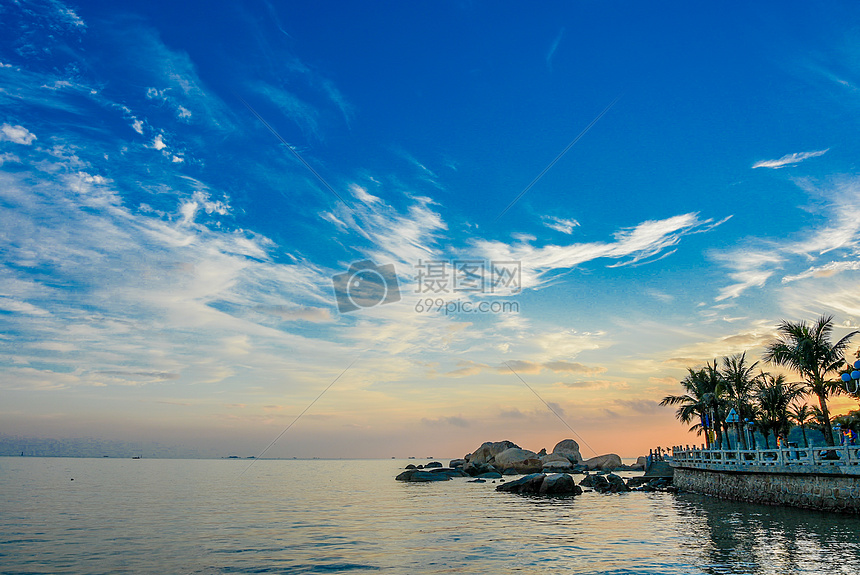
562, 225
16, 134
827, 270
757, 260
632, 245
789, 159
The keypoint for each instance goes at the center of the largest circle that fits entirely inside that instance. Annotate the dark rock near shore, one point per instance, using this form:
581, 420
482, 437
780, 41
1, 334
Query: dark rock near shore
410, 466
457, 463
608, 483
542, 484
433, 464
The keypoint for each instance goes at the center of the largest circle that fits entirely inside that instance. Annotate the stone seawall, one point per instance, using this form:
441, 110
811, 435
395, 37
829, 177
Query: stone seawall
826, 492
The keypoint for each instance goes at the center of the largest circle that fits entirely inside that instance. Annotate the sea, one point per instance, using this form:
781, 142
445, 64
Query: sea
92, 516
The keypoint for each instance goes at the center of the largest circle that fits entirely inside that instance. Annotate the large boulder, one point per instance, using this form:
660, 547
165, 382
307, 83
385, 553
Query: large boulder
606, 462
555, 462
542, 484
457, 463
489, 450
569, 449
521, 460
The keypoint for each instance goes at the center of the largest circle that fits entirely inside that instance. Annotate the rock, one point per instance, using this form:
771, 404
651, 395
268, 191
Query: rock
433, 464
597, 482
474, 469
489, 450
642, 460
556, 467
605, 462
416, 475
616, 484
609, 483
510, 472
528, 484
569, 449
542, 484
521, 460
457, 463
477, 481
449, 472
542, 452
410, 466
559, 484
490, 475
419, 467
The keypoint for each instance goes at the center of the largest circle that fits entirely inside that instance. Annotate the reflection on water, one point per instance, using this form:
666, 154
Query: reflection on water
196, 516
746, 538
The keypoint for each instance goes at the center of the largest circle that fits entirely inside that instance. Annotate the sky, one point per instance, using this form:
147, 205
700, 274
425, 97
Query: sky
404, 229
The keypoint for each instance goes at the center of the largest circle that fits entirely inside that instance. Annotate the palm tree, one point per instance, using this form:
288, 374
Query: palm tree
774, 397
702, 400
800, 414
693, 403
739, 382
807, 350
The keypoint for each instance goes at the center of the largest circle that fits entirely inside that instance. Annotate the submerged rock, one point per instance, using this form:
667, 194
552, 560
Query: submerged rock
490, 475
420, 476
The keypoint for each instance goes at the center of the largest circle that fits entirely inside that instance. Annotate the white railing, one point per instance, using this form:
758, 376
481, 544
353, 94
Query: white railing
809, 458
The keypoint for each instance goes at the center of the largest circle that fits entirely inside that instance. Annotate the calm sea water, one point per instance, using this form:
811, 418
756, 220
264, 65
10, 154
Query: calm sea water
205, 516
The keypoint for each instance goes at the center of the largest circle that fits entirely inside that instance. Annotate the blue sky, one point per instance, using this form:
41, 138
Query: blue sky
167, 262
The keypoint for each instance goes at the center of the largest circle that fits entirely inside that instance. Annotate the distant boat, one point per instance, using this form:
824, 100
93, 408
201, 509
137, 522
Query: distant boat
136, 457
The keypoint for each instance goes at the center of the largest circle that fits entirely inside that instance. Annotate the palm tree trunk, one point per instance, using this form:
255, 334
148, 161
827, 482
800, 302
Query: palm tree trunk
805, 441
828, 429
766, 442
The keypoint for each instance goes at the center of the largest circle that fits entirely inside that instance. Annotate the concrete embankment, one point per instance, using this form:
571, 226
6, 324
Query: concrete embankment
825, 492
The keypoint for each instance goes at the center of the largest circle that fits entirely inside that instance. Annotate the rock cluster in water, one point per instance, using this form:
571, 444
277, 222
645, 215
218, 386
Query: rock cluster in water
508, 457
544, 473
